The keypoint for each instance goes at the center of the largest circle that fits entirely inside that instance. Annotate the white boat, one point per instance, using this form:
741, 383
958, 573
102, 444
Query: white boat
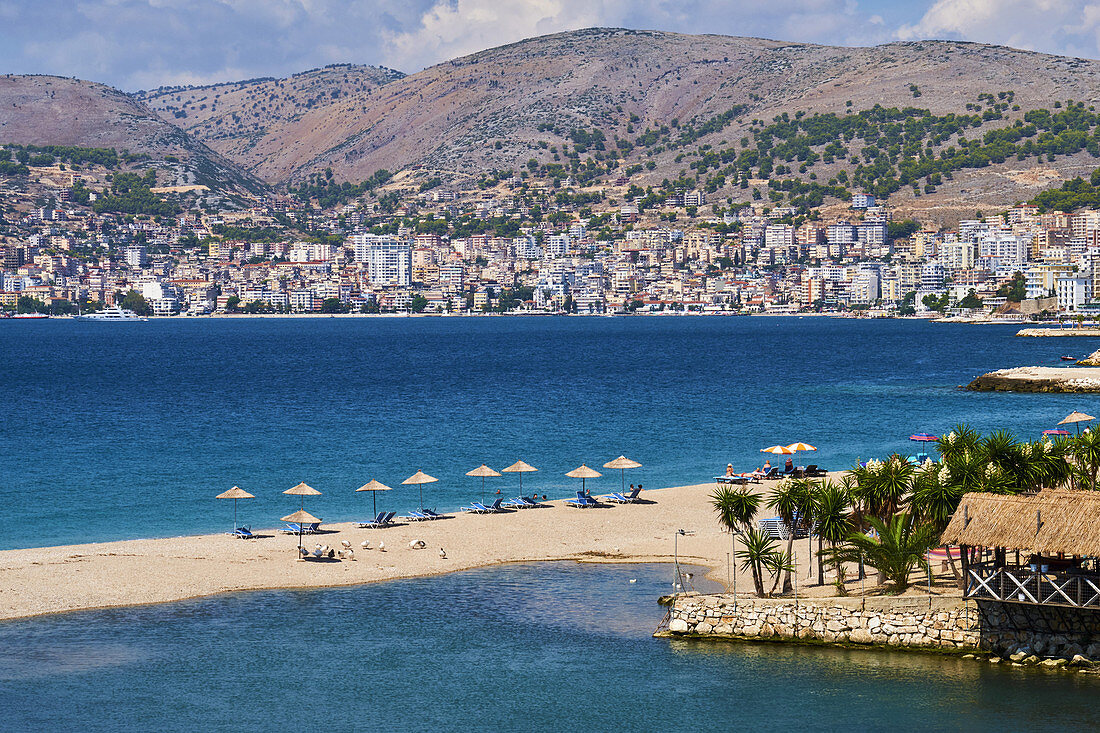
112, 314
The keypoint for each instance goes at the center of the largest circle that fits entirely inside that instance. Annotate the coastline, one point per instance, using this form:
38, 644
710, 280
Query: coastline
66, 578
61, 579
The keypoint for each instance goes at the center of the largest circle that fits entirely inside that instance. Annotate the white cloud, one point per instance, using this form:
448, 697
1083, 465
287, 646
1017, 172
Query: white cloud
453, 28
1070, 27
138, 43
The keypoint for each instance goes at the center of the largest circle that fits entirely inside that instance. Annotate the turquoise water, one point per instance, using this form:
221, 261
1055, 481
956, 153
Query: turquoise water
129, 430
530, 647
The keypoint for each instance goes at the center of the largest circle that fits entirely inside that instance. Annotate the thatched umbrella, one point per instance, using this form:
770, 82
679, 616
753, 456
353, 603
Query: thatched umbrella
373, 487
301, 518
303, 490
622, 463
482, 471
419, 479
1076, 418
521, 468
235, 493
583, 472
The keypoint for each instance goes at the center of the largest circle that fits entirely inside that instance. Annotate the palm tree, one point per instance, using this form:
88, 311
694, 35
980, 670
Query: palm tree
934, 501
786, 501
834, 523
900, 546
760, 554
736, 507
1084, 455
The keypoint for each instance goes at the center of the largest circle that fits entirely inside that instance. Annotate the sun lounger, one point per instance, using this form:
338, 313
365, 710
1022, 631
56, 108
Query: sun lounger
618, 498
773, 473
738, 479
295, 528
582, 501
774, 527
243, 533
476, 507
415, 515
429, 514
372, 523
812, 470
384, 519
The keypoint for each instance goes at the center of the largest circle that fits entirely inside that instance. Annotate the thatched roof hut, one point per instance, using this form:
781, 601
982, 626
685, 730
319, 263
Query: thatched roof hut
1050, 522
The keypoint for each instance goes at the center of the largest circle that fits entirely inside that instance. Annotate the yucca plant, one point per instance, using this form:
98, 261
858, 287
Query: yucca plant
834, 521
900, 546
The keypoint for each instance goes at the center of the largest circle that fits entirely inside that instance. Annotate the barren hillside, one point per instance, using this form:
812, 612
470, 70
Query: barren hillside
50, 110
246, 120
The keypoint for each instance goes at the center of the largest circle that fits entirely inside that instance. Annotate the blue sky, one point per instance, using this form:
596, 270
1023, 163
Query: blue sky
135, 44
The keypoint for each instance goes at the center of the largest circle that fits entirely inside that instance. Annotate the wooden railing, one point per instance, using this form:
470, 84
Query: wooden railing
1024, 585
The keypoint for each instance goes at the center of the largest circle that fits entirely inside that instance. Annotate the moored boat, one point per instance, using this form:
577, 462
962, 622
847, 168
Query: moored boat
114, 313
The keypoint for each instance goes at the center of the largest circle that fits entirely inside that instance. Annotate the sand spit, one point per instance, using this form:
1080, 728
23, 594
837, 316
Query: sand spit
67, 578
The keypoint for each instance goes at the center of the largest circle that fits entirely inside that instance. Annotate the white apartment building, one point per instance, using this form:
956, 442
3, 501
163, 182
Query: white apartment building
388, 259
1073, 291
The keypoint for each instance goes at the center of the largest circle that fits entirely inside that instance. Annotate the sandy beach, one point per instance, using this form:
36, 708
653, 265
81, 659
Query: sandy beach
131, 572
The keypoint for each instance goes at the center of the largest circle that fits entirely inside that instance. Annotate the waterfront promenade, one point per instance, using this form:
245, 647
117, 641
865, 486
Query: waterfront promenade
69, 578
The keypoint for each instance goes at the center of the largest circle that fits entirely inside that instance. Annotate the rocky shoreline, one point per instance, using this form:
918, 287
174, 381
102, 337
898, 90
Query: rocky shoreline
1081, 379
1051, 332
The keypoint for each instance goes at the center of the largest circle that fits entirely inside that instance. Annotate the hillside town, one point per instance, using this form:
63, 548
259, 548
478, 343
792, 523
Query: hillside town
535, 250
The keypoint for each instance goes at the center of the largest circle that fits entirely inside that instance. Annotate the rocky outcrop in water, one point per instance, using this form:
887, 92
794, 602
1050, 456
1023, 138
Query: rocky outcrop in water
1039, 379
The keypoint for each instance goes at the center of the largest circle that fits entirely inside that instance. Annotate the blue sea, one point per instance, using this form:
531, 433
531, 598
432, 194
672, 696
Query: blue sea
129, 430
541, 647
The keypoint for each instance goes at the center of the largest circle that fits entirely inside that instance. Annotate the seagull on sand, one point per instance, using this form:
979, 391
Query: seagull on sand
442, 554
381, 546
365, 544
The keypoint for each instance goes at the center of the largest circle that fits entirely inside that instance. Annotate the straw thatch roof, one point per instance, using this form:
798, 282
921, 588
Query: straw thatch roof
302, 489
519, 467
301, 517
482, 471
1049, 522
235, 493
374, 485
1074, 417
419, 478
622, 462
583, 471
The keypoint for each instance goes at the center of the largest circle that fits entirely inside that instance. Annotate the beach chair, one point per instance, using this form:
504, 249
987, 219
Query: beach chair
614, 498
774, 527
532, 501
415, 515
376, 522
243, 533
429, 514
582, 501
773, 473
295, 528
812, 470
476, 507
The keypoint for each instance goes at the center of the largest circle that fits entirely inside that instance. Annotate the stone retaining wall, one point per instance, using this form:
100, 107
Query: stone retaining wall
903, 622
1020, 631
